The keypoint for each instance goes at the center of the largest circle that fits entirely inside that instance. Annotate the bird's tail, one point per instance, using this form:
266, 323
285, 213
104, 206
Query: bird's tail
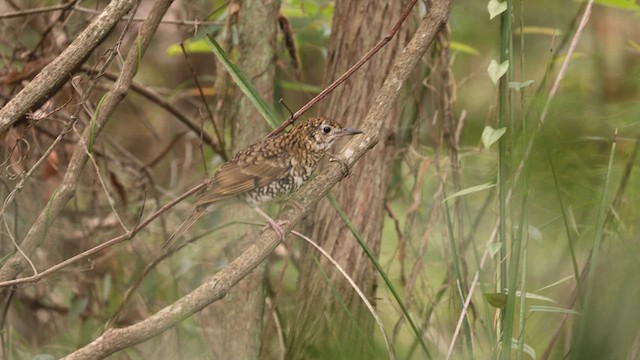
171, 243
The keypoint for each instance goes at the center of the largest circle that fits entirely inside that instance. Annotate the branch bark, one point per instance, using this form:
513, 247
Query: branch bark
219, 284
54, 75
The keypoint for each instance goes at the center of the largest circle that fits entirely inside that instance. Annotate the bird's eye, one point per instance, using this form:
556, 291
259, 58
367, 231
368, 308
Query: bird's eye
326, 129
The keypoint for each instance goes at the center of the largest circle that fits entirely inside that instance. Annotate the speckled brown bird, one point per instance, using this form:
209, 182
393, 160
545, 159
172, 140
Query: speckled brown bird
268, 169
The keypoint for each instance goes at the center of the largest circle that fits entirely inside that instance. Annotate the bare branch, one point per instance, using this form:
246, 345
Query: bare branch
37, 10
56, 73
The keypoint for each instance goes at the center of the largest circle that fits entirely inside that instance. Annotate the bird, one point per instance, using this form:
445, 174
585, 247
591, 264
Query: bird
271, 168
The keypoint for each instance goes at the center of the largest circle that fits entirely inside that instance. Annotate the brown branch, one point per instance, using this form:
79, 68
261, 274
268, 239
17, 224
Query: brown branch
219, 284
195, 23
38, 231
55, 74
347, 74
37, 10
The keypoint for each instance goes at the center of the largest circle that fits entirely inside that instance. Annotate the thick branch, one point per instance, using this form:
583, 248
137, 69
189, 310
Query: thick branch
218, 285
54, 75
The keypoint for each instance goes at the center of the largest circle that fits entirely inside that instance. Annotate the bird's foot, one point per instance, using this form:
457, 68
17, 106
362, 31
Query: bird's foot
277, 227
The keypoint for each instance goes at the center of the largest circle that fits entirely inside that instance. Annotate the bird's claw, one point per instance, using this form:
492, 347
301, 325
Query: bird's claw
277, 227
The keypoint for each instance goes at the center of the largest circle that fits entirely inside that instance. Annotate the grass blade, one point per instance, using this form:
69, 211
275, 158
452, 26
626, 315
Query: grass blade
245, 85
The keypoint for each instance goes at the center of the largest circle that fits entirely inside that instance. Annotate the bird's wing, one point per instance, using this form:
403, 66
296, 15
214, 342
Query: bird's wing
254, 167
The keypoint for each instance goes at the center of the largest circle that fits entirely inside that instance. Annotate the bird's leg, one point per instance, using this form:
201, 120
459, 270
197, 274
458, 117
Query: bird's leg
275, 225
345, 169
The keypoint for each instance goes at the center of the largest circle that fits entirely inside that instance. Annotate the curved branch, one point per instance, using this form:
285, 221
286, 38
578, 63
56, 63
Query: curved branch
56, 73
219, 284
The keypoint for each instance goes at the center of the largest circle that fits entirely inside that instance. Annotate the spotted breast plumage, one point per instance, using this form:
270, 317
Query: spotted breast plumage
270, 168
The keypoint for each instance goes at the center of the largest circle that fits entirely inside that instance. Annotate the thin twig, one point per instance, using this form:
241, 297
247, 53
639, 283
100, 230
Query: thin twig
163, 22
347, 74
22, 183
37, 10
110, 200
106, 244
204, 99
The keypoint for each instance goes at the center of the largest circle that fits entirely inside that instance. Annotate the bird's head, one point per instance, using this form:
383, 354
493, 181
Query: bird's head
322, 132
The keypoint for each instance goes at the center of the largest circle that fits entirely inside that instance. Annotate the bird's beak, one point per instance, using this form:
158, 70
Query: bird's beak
349, 131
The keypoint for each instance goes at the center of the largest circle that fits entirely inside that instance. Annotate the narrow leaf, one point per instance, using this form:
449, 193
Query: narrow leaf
566, 278
470, 190
619, 4
247, 88
515, 344
191, 46
533, 296
519, 85
552, 309
92, 133
464, 48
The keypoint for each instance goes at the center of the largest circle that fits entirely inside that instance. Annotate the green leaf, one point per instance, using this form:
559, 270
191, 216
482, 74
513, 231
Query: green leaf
566, 278
496, 71
302, 87
519, 85
491, 135
552, 309
244, 84
496, 8
619, 4
533, 296
470, 190
92, 133
497, 300
463, 48
191, 47
534, 233
493, 248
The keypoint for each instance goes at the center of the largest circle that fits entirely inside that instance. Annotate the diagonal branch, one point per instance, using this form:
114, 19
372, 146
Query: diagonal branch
219, 284
56, 73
